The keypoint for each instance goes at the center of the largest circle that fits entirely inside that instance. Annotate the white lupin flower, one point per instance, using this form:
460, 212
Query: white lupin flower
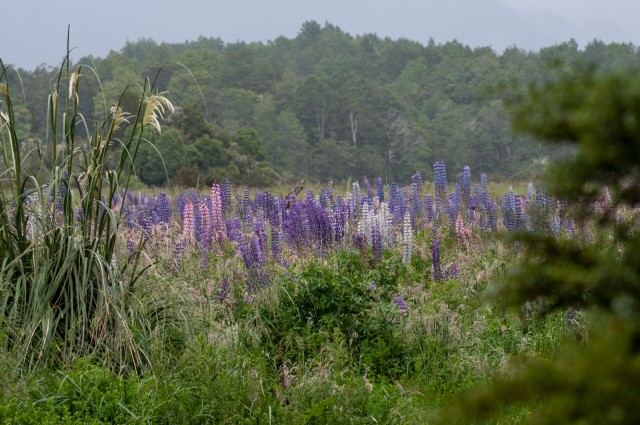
407, 238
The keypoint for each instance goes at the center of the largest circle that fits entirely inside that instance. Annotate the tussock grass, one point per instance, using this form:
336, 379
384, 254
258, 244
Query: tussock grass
66, 288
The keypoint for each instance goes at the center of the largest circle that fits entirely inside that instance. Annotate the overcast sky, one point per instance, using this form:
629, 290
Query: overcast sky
33, 32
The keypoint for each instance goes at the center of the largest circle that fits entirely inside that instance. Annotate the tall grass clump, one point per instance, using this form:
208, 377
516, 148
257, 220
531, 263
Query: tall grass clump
65, 289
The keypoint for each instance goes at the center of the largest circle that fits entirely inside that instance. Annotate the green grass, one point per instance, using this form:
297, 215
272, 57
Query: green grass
289, 357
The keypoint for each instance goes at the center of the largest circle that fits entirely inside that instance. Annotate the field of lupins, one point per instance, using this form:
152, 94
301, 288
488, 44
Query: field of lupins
365, 302
267, 230
358, 306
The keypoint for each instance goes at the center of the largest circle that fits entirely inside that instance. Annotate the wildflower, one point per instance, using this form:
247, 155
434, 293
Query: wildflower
407, 238
462, 232
217, 221
401, 304
484, 191
276, 243
368, 189
440, 181
465, 184
224, 290
188, 221
380, 189
376, 244
164, 212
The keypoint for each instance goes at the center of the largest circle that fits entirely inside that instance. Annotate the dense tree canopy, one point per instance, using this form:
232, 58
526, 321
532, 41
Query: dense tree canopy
326, 104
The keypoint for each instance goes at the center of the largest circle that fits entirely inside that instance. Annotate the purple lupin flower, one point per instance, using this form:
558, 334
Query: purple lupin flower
568, 224
376, 244
259, 230
393, 197
224, 290
428, 207
145, 223
180, 203
368, 190
452, 273
276, 244
440, 186
401, 304
465, 185
234, 228
380, 189
295, 225
325, 201
178, 253
484, 191
360, 242
511, 212
339, 219
493, 217
473, 206
397, 205
225, 196
162, 206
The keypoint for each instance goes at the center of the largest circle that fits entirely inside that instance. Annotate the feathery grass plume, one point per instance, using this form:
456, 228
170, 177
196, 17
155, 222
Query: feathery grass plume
74, 79
156, 106
118, 116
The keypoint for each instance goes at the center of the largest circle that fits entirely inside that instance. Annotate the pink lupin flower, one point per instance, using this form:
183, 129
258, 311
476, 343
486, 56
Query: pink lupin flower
188, 222
217, 220
462, 231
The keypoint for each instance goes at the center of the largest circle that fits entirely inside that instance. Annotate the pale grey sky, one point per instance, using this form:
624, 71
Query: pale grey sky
33, 32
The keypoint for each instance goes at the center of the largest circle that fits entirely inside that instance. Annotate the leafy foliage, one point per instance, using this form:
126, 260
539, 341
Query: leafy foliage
374, 106
597, 273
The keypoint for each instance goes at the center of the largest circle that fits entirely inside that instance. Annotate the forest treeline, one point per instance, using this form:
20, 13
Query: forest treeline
323, 105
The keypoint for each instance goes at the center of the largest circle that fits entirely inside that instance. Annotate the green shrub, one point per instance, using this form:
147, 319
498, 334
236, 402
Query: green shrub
344, 296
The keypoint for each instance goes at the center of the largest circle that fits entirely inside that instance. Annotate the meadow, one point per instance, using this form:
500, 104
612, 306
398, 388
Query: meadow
364, 302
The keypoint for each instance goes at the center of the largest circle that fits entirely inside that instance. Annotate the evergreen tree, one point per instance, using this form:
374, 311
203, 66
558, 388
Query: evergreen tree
596, 273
